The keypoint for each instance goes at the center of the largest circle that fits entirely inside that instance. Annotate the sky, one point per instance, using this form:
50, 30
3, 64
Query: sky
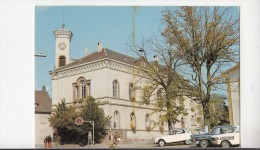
113, 26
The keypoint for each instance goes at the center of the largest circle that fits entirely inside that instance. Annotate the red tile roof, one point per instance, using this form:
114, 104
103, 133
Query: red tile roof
105, 53
42, 102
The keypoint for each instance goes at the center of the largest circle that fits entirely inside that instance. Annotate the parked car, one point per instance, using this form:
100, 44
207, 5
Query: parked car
217, 136
199, 131
175, 135
228, 135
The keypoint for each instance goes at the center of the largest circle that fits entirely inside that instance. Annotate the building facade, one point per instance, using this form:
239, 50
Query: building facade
43, 107
110, 77
232, 77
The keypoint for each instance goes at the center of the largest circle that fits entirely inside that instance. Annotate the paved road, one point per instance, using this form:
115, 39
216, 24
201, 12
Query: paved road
132, 146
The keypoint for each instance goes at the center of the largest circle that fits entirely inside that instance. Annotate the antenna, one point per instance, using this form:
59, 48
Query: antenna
63, 25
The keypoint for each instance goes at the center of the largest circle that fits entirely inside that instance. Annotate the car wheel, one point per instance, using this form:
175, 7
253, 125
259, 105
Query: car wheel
187, 142
225, 144
161, 143
204, 143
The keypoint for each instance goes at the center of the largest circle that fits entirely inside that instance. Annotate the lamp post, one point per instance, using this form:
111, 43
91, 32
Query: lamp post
80, 121
39, 55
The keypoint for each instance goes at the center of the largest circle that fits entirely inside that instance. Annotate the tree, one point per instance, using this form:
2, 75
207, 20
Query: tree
160, 75
218, 110
205, 38
91, 112
63, 121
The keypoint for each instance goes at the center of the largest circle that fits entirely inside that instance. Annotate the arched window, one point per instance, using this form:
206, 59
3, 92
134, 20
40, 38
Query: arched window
147, 121
116, 120
131, 92
81, 88
115, 89
62, 61
132, 120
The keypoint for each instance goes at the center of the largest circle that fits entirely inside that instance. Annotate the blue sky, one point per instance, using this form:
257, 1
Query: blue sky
113, 26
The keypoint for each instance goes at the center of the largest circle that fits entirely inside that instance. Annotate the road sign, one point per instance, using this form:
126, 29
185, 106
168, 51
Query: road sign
79, 121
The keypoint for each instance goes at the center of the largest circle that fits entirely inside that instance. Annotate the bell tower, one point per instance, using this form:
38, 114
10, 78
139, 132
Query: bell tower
63, 38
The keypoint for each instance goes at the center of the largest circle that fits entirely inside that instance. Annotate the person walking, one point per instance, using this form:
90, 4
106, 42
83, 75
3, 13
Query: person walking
116, 138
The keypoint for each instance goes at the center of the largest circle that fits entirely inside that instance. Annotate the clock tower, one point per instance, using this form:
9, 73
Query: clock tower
63, 38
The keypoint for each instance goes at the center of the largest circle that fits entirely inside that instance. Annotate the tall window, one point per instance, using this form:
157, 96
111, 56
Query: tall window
132, 120
81, 89
146, 94
182, 123
62, 61
116, 120
159, 94
147, 120
115, 89
131, 92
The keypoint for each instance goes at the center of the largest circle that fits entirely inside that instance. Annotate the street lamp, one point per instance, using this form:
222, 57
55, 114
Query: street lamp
141, 50
39, 55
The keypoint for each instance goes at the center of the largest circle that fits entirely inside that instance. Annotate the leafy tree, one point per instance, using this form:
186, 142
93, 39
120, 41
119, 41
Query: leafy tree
205, 39
63, 121
160, 74
218, 110
91, 112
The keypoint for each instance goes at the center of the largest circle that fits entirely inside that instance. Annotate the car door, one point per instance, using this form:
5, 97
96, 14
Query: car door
172, 137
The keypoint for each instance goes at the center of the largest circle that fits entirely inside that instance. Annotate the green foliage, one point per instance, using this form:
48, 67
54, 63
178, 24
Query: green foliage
218, 110
91, 112
63, 121
205, 40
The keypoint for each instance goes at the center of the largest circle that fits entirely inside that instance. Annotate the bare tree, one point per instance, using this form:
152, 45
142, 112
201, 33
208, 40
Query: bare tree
206, 40
159, 65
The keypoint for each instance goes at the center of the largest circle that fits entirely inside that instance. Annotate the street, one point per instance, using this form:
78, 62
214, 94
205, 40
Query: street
134, 146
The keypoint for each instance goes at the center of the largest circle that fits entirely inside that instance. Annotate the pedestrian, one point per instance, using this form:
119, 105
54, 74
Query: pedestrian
45, 141
49, 141
116, 138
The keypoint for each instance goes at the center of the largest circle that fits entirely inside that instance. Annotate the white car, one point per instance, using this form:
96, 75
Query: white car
175, 135
227, 135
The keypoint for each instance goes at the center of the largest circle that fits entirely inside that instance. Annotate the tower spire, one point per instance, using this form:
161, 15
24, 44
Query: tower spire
63, 25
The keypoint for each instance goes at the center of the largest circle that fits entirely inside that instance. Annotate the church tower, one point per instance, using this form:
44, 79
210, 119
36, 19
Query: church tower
63, 38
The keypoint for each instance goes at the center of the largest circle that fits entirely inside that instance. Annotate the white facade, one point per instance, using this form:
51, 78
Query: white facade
100, 71
233, 86
43, 129
42, 112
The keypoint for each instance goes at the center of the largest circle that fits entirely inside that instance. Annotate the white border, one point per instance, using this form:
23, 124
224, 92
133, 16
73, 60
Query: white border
17, 64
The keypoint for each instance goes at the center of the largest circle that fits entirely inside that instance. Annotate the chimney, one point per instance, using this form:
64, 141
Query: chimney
86, 51
156, 58
100, 46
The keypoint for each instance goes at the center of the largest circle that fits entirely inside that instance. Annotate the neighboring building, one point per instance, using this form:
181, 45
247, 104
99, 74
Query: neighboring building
232, 77
110, 77
42, 112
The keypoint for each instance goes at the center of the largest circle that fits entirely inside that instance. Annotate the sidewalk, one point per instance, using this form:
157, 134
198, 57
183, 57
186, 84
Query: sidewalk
103, 146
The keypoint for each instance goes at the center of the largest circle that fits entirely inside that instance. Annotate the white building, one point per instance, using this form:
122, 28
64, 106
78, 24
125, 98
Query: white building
42, 112
109, 77
233, 91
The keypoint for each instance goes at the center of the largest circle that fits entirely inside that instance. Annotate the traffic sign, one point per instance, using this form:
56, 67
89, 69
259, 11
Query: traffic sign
79, 121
